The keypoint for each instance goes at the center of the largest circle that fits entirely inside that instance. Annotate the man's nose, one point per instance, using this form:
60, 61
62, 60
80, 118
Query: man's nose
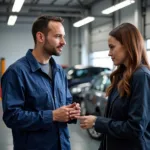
63, 41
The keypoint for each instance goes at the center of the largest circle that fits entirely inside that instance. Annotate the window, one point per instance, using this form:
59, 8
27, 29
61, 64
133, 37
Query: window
101, 59
81, 73
148, 44
101, 83
148, 53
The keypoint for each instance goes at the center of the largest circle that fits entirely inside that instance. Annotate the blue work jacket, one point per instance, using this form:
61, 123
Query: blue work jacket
126, 125
29, 96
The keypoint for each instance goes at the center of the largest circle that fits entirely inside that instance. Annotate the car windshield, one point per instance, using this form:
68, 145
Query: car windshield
86, 72
100, 83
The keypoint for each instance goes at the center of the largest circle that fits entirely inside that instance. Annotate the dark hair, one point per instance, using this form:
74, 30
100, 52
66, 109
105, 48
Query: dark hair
129, 36
41, 24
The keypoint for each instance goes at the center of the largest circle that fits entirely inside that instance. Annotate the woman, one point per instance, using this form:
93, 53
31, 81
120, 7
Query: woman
126, 125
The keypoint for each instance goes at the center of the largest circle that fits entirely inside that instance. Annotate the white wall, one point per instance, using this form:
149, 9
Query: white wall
75, 47
16, 40
132, 14
100, 27
99, 37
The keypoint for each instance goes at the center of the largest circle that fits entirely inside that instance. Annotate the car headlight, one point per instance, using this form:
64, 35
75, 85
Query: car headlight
76, 90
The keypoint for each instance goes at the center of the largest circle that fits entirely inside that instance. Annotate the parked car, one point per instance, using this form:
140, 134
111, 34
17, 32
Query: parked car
77, 91
80, 78
94, 100
79, 74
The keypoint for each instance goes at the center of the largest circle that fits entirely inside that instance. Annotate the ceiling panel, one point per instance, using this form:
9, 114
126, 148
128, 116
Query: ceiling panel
28, 1
74, 3
61, 2
9, 0
26, 19
3, 9
45, 1
3, 18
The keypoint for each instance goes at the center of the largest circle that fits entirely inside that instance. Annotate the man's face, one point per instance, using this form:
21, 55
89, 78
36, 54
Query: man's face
54, 41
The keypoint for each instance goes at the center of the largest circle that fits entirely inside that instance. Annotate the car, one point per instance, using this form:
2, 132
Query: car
81, 74
95, 100
80, 78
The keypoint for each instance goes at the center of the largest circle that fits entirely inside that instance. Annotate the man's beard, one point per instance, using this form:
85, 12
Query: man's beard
50, 51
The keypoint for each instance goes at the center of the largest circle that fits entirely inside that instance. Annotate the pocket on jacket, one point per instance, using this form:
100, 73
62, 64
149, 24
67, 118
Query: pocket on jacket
38, 99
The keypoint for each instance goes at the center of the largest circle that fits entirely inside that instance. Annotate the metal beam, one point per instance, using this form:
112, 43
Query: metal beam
52, 3
67, 3
33, 1
95, 2
47, 7
33, 14
37, 1
81, 4
18, 22
101, 16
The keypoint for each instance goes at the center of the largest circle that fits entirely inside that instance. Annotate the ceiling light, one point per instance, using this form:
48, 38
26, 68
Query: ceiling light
17, 5
118, 6
12, 20
83, 21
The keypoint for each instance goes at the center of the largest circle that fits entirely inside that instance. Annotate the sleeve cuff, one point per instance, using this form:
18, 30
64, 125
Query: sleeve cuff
101, 124
47, 116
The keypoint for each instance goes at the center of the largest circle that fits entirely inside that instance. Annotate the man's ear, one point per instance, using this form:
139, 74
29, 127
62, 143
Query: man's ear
40, 37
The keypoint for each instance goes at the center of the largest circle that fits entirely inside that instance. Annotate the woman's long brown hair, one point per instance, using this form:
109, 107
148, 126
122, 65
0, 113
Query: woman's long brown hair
129, 36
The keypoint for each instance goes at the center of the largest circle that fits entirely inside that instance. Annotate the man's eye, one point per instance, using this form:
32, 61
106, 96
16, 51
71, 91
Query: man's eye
58, 36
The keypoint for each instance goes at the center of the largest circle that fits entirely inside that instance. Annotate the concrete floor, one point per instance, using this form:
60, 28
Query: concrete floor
80, 139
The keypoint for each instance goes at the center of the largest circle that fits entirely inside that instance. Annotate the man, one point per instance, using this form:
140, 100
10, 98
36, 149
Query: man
36, 100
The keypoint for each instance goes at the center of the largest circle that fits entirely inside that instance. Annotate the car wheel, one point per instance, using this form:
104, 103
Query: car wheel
83, 108
94, 134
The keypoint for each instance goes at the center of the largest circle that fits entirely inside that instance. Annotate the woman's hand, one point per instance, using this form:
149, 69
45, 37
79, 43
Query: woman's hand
87, 121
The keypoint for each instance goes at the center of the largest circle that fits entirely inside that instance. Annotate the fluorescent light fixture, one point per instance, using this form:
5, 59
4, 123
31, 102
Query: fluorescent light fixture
11, 20
118, 6
83, 21
17, 5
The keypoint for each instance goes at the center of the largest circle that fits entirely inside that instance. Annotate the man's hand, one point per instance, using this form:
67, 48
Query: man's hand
87, 121
75, 112
62, 114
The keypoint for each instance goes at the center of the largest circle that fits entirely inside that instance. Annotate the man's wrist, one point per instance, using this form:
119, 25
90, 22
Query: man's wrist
54, 118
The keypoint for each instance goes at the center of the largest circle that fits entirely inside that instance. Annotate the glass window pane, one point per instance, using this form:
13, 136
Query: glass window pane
148, 44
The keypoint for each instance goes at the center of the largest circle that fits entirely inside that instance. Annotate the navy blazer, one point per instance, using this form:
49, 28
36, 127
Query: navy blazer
126, 125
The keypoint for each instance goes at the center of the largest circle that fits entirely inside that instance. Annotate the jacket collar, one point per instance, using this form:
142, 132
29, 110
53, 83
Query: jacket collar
34, 63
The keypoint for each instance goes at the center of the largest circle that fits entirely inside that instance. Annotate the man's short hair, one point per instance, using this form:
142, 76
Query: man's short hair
41, 25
